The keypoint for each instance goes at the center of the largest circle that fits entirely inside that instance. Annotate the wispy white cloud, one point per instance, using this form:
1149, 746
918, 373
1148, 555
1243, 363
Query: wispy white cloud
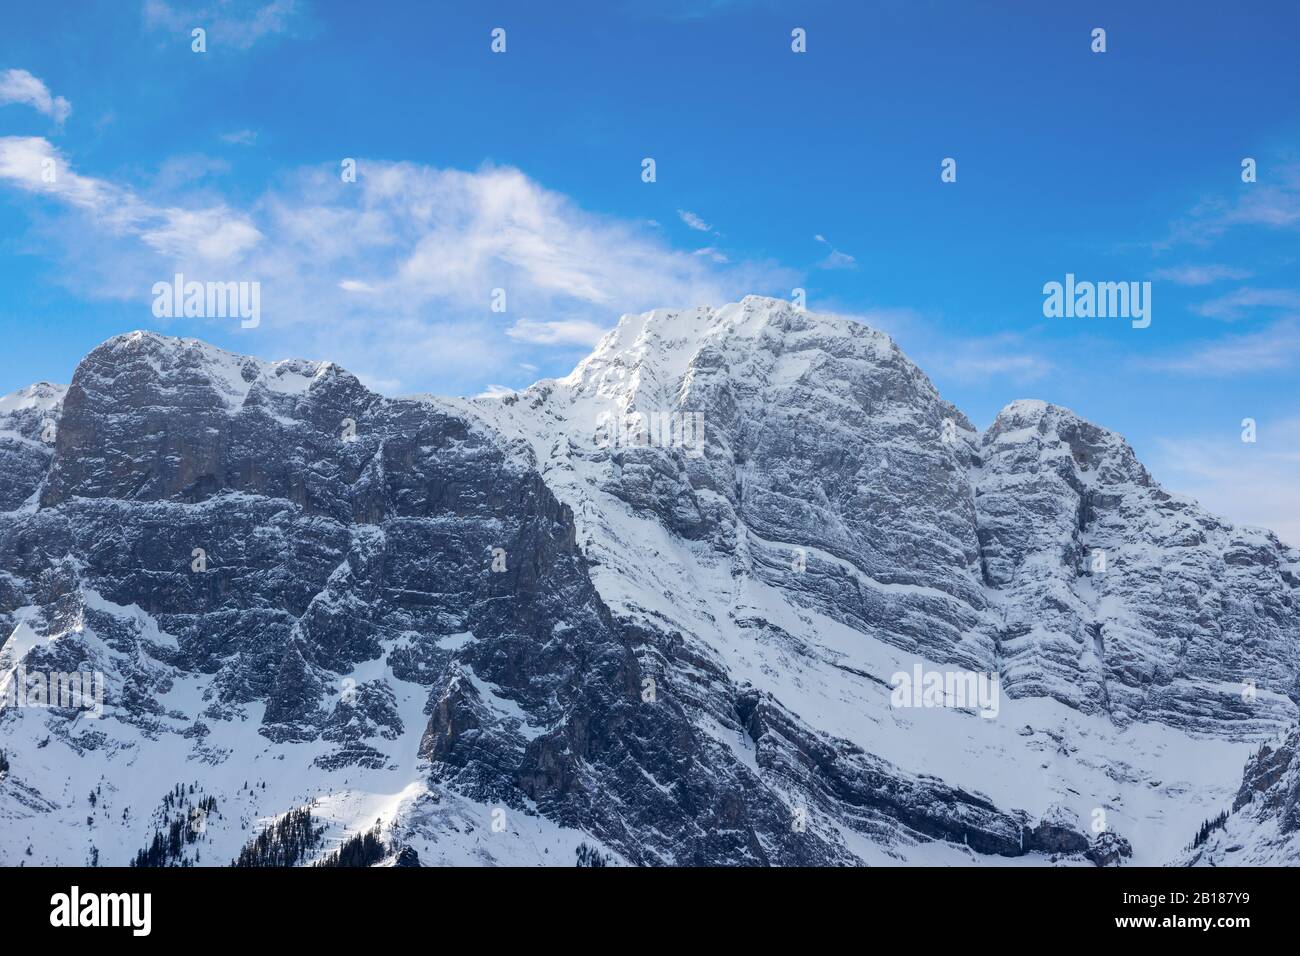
981, 359
392, 274
33, 165
1249, 483
1198, 275
1269, 349
19, 86
570, 332
240, 137
182, 173
237, 23
1237, 303
835, 259
694, 221
838, 260
212, 233
1274, 204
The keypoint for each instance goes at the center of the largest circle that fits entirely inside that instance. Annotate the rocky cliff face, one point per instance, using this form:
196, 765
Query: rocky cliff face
1117, 596
28, 424
511, 629
1262, 825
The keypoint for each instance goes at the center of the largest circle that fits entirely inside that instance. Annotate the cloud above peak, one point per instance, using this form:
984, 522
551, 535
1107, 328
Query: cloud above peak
407, 272
571, 332
835, 259
1272, 348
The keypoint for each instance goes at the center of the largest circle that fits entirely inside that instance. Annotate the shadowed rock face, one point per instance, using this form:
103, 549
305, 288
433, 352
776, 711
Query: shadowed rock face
1123, 598
1262, 827
302, 552
1272, 778
27, 431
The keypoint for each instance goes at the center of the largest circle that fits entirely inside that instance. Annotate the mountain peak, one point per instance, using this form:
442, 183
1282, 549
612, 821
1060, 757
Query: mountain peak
40, 396
1026, 408
199, 363
664, 345
1055, 429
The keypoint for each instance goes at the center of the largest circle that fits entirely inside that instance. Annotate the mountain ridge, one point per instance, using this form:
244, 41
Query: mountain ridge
705, 633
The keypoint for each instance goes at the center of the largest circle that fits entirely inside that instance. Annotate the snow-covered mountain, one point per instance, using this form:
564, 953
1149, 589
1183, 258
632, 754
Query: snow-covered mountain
651, 612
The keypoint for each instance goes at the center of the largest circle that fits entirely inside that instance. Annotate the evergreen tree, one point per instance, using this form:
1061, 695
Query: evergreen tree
1208, 827
364, 849
286, 842
590, 856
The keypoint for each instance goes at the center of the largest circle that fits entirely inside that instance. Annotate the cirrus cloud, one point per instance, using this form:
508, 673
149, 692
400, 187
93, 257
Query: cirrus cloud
570, 332
1274, 347
19, 86
238, 23
392, 275
1253, 483
1237, 303
1199, 275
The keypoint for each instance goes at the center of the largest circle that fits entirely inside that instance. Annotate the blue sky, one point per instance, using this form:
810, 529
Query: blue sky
774, 170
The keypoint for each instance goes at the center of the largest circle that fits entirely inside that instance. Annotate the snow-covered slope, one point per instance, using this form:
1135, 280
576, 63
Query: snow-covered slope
1142, 643
654, 607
